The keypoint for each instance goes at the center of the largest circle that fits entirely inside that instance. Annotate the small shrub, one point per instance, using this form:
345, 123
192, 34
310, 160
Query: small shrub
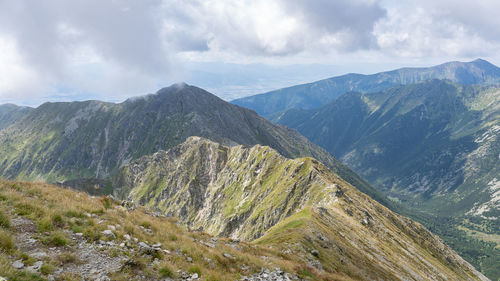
107, 202
92, 234
16, 187
146, 224
195, 269
74, 214
4, 220
77, 229
57, 220
6, 241
27, 259
66, 258
47, 269
24, 209
45, 225
56, 239
166, 271
172, 237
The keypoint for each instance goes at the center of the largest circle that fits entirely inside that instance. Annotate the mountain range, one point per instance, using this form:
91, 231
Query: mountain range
432, 145
79, 142
219, 168
416, 142
316, 94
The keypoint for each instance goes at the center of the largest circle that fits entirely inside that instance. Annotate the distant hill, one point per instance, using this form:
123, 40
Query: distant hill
316, 94
9, 113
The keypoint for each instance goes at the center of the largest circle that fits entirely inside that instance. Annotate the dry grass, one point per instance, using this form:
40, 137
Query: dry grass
54, 210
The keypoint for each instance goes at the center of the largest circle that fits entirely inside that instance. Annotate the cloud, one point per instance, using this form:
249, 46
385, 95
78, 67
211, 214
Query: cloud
118, 48
351, 21
59, 41
271, 28
446, 29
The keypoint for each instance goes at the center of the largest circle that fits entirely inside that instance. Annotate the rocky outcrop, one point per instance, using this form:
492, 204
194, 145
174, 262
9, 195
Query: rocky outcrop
295, 205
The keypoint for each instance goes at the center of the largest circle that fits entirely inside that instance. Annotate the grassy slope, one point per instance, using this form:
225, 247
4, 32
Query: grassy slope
57, 211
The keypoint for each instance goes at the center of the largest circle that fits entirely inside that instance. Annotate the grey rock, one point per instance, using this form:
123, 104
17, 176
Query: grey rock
208, 244
39, 255
35, 267
31, 241
18, 264
109, 233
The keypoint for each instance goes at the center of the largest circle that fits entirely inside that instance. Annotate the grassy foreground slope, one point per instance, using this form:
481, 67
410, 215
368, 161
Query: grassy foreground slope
69, 228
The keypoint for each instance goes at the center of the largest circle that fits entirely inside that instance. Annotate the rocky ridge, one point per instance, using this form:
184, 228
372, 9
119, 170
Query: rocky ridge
297, 206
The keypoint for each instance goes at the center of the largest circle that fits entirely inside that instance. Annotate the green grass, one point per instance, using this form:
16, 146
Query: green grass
166, 271
6, 241
195, 269
56, 239
4, 220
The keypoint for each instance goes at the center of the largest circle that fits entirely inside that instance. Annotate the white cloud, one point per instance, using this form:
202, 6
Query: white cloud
445, 29
118, 48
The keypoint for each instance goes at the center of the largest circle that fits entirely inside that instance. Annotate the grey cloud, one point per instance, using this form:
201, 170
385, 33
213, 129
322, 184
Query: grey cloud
356, 18
478, 17
198, 25
122, 32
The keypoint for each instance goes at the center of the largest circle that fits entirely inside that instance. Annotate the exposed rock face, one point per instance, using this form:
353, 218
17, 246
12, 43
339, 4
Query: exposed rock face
230, 191
297, 206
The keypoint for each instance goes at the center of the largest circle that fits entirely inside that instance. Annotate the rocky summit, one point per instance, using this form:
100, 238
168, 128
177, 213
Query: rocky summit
298, 206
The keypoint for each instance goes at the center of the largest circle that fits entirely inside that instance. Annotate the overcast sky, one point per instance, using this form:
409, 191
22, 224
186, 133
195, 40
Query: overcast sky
111, 50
